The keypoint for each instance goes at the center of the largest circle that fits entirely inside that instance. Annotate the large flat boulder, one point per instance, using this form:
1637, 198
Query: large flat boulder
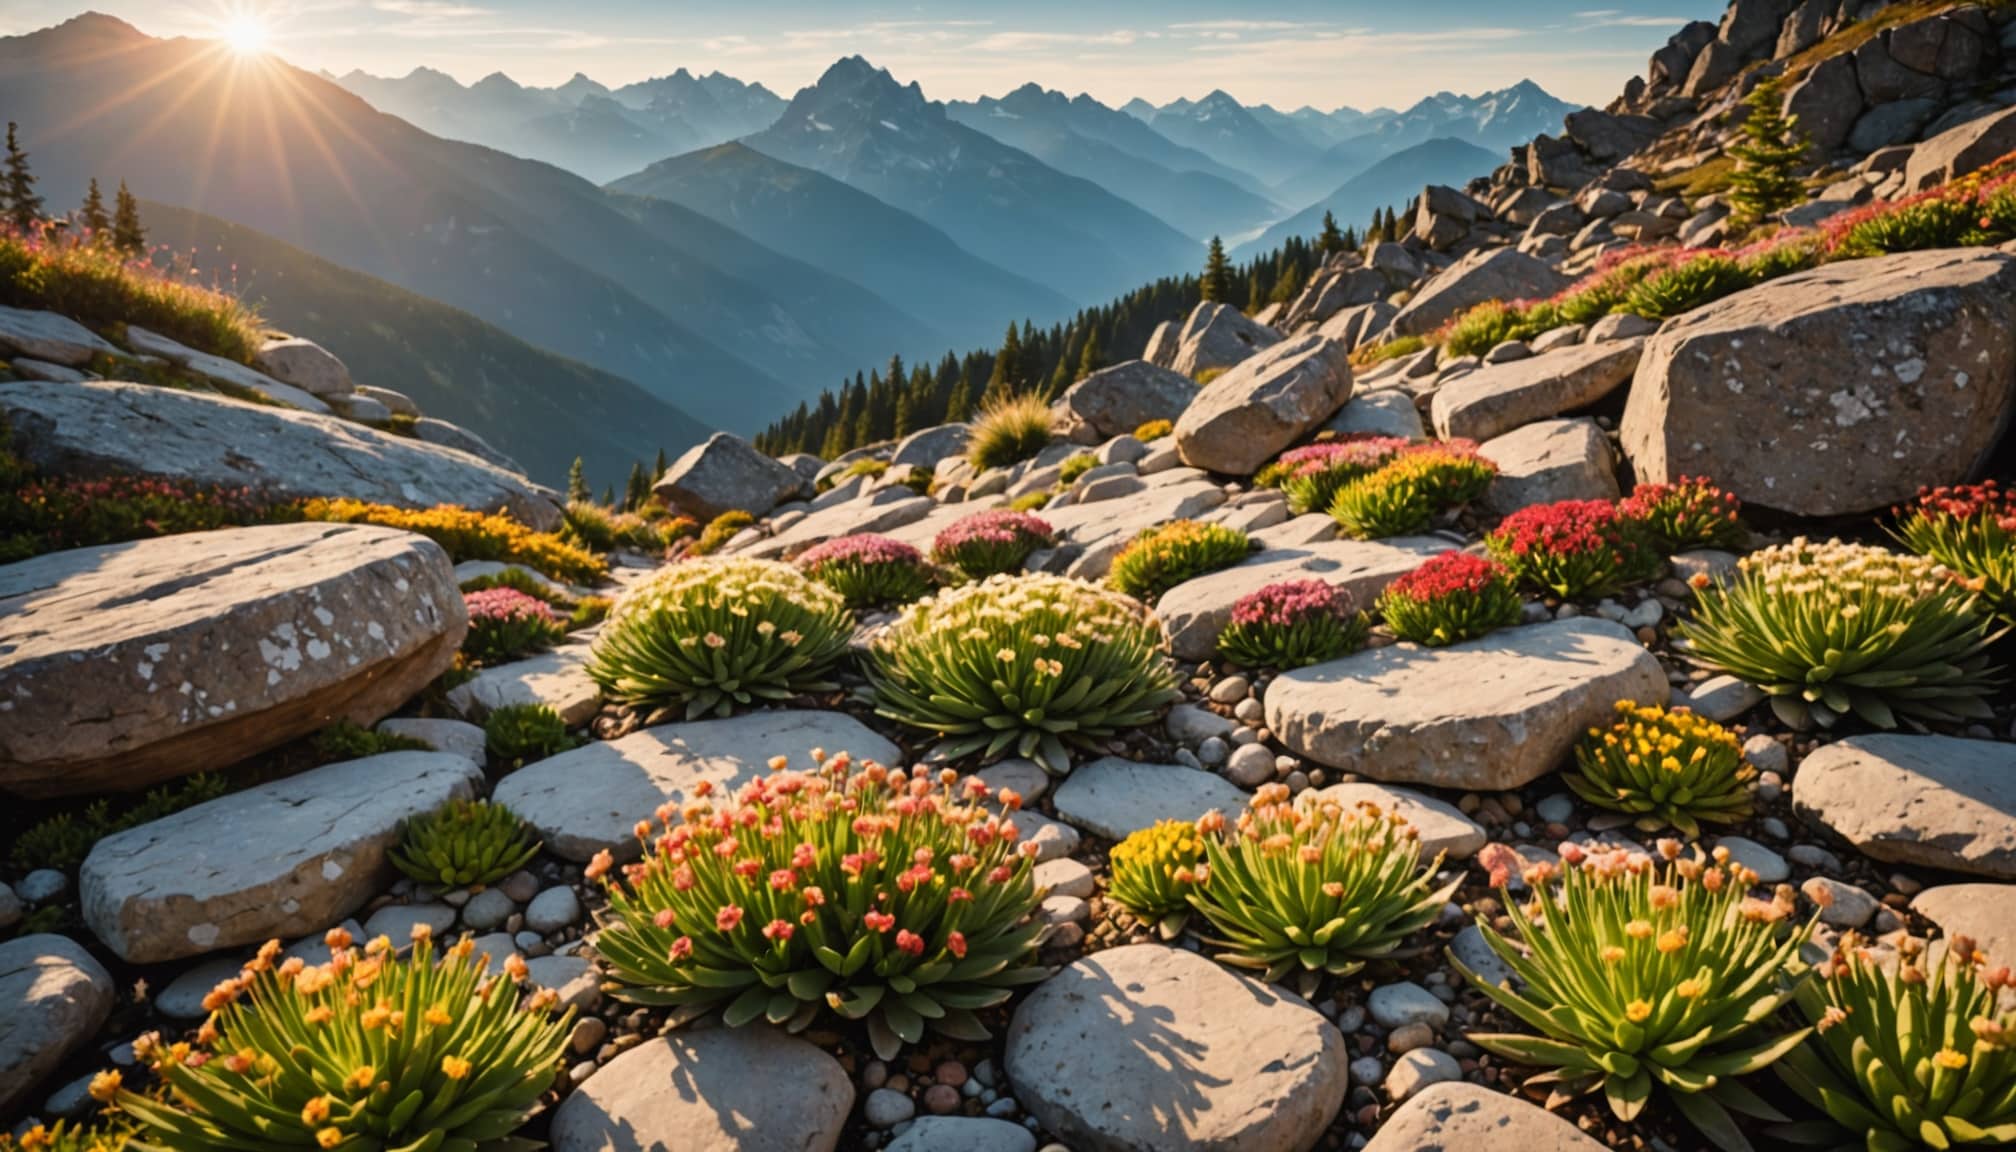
229, 373
882, 510
1217, 336
1491, 713
1100, 530
277, 860
1462, 1117
1147, 1046
1499, 398
1936, 801
49, 337
1194, 612
1113, 798
725, 473
1388, 412
442, 434
1245, 417
1985, 912
100, 429
132, 663
589, 799
925, 447
1117, 400
1903, 365
1960, 150
558, 679
1486, 274
1549, 461
53, 998
748, 1089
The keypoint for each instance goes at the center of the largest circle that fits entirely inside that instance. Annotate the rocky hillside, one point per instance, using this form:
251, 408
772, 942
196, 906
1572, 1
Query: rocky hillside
1546, 684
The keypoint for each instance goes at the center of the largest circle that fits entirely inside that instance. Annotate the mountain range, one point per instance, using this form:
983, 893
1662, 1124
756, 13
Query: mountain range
1390, 182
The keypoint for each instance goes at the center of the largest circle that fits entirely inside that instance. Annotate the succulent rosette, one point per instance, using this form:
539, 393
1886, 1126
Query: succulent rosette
1970, 529
1664, 767
1451, 597
1292, 624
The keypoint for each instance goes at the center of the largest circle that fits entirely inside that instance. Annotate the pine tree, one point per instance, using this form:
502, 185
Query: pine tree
93, 216
608, 495
577, 482
1766, 178
1090, 358
127, 234
1331, 241
1009, 371
1217, 282
659, 469
1288, 286
637, 489
24, 207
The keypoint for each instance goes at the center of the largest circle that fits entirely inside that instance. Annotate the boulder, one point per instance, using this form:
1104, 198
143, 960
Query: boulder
53, 999
1491, 713
882, 510
113, 429
1331, 292
281, 859
1194, 612
1098, 531
1113, 798
1895, 122
397, 402
726, 474
1461, 1117
1486, 274
50, 337
1957, 151
589, 799
1390, 412
1218, 336
232, 375
1986, 912
304, 364
1499, 398
1828, 102
1904, 364
1609, 136
748, 1089
963, 1134
1117, 400
1935, 801
1443, 827
1443, 216
1671, 63
441, 433
1750, 26
1355, 326
558, 679
1147, 1046
1549, 461
1161, 349
361, 409
130, 664
925, 447
1243, 418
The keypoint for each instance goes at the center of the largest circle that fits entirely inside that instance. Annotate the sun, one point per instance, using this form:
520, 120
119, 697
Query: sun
245, 33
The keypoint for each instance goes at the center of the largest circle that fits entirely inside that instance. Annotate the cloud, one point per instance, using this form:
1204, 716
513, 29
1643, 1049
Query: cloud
433, 9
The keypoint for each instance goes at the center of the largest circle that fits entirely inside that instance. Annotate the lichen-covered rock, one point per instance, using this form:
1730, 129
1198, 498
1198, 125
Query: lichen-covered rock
1243, 418
750, 1089
49, 337
53, 998
1499, 398
1218, 336
1117, 400
1960, 150
132, 663
726, 474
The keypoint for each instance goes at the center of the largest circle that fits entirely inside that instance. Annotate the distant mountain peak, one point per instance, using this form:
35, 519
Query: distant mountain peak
96, 27
496, 82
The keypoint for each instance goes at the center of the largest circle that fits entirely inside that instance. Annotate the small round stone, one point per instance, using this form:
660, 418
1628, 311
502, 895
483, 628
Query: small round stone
950, 1072
1212, 751
42, 885
1419, 1069
1230, 690
552, 910
1408, 1037
1250, 765
887, 1108
941, 1099
487, 909
1399, 1005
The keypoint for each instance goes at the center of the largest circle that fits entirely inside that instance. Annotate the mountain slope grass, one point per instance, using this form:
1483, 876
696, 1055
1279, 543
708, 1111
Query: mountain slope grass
97, 287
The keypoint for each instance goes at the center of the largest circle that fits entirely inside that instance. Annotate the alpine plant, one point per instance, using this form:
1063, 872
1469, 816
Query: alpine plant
1450, 598
711, 635
883, 897
1971, 530
464, 842
1664, 768
990, 543
506, 624
1292, 624
372, 1052
1025, 665
1687, 514
1313, 888
1640, 976
1915, 1053
1310, 476
1161, 558
1405, 495
868, 571
1153, 869
1575, 549
1831, 630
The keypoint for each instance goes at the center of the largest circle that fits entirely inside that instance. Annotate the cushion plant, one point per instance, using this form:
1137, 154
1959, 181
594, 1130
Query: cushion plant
1451, 597
1971, 530
464, 842
1292, 624
1688, 513
989, 543
1153, 870
1664, 768
1576, 549
868, 570
1161, 558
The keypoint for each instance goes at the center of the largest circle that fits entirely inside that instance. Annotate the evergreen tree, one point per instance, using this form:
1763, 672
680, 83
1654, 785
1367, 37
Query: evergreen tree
127, 234
93, 216
608, 495
659, 469
1090, 357
24, 207
577, 482
1217, 282
1254, 301
1766, 178
1287, 287
1331, 241
1351, 239
1009, 372
637, 489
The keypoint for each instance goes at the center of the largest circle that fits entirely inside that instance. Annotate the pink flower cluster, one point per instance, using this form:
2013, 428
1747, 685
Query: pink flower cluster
1362, 451
507, 604
997, 527
1566, 527
864, 548
1290, 602
1449, 574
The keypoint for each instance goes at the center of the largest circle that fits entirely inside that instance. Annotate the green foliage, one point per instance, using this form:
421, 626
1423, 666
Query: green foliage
1972, 531
518, 580
1153, 430
55, 514
17, 187
720, 530
592, 526
709, 636
1029, 665
867, 466
99, 287
347, 740
1783, 258
589, 611
1153, 870
1008, 431
1390, 350
1161, 558
1664, 768
1310, 477
1641, 977
1914, 1054
1450, 598
1831, 629
1292, 624
464, 843
1687, 514
315, 1060
1315, 887
1074, 466
1217, 281
63, 840
115, 1135
1031, 501
1768, 157
905, 918
1405, 494
1686, 286
518, 734
1486, 326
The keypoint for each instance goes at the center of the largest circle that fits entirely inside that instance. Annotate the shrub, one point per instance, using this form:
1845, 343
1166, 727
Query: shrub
720, 530
1390, 350
1664, 768
866, 466
1031, 501
1486, 326
1831, 629
1686, 286
1153, 430
1153, 870
1913, 1055
1292, 624
1161, 558
348, 740
464, 843
1032, 664
1451, 597
1782, 257
53, 515
709, 635
506, 624
368, 1051
518, 580
589, 611
1576, 549
1311, 476
63, 840
603, 530
1009, 431
1641, 976
99, 287
876, 895
1406, 494
468, 535
989, 543
1972, 530
868, 570
517, 734
1449, 471
1691, 513
1314, 887
1074, 466
1207, 375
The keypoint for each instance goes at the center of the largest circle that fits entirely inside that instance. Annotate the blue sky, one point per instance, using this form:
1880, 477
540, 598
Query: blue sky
1290, 53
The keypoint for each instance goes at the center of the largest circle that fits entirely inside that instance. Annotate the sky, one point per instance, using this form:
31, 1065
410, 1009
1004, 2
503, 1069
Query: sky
1291, 53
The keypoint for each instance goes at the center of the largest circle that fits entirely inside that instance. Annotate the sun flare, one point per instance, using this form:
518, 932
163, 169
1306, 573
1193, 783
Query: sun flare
247, 34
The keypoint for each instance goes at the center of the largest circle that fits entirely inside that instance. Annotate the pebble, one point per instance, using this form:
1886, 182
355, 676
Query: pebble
1230, 690
1534, 612
552, 910
1065, 877
1367, 1070
1250, 710
1409, 1037
396, 921
1905, 884
1212, 752
1026, 777
887, 1108
1770, 867
1555, 809
1351, 1019
1767, 754
588, 1034
42, 885
1250, 765
1063, 910
1814, 856
520, 886
1647, 614
487, 909
875, 1075
1399, 1005
1775, 828
941, 1099
1420, 1069
1244, 735
1002, 1108
1842, 905
1189, 724
1188, 759
1770, 786
1722, 698
950, 1072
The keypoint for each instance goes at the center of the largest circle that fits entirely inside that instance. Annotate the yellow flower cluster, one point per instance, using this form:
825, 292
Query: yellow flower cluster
469, 535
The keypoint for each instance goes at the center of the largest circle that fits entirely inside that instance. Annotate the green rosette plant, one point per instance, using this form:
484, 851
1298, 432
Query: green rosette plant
1313, 888
1161, 558
1450, 598
1310, 476
515, 735
1972, 530
1576, 549
1912, 1054
371, 1052
868, 571
1030, 665
1664, 768
711, 635
990, 543
887, 898
1641, 976
1292, 624
1153, 869
1408, 492
464, 843
1689, 513
1830, 630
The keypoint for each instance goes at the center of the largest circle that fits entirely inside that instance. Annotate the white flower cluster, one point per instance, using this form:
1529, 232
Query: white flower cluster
733, 584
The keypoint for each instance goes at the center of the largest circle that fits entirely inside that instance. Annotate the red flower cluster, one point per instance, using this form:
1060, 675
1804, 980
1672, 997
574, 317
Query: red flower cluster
1689, 513
1567, 527
864, 548
1449, 574
507, 604
49, 515
1291, 602
1985, 500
